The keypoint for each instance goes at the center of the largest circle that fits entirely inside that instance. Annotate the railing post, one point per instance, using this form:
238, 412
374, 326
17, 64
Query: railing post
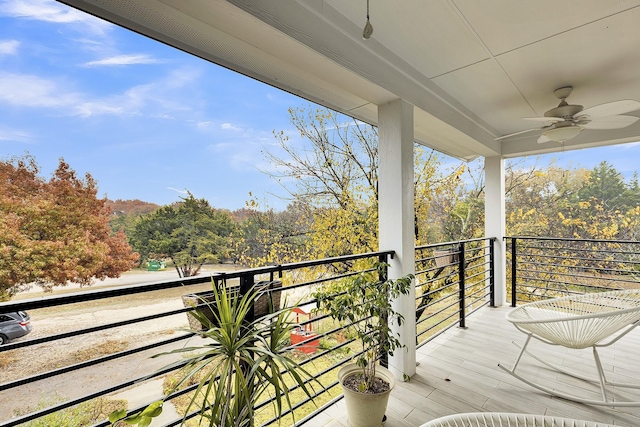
384, 275
461, 281
492, 273
513, 271
246, 286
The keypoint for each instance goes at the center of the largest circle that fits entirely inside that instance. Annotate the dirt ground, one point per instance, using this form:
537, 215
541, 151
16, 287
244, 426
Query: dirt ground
25, 362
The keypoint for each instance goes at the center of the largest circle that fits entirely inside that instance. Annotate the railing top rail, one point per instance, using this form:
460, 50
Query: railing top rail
571, 239
95, 294
455, 242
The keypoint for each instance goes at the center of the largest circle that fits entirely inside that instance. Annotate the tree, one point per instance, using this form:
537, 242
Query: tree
454, 205
264, 236
332, 170
334, 176
605, 185
190, 232
54, 232
125, 212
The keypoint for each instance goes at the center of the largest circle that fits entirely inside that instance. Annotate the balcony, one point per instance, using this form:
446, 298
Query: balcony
458, 372
460, 337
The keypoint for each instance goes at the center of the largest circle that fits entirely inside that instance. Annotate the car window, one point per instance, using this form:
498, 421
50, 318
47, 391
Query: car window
5, 318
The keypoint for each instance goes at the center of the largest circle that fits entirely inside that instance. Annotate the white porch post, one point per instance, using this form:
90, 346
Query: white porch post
396, 216
494, 222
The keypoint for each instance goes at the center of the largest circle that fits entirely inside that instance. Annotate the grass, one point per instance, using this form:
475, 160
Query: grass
83, 414
8, 358
268, 412
102, 349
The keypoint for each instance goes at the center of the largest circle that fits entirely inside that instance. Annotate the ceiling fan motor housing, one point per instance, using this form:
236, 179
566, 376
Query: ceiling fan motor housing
564, 110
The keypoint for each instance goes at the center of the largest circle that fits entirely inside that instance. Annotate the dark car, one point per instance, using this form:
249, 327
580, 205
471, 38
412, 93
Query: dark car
14, 325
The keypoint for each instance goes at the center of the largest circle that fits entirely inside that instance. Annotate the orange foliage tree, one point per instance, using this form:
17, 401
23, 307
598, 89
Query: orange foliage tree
54, 232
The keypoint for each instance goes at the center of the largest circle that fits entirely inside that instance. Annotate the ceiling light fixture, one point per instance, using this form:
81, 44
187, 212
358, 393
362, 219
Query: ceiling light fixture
562, 134
368, 28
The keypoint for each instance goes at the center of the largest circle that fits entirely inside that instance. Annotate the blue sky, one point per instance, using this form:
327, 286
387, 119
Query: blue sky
145, 120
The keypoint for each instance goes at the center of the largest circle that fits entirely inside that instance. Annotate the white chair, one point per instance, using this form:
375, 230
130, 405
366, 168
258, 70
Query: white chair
496, 419
580, 321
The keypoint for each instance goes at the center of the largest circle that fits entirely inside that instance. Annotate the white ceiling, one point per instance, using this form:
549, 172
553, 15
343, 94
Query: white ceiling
471, 68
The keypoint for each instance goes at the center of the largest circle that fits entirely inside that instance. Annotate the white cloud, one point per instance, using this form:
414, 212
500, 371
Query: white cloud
9, 47
8, 134
123, 60
88, 109
178, 191
221, 147
54, 12
163, 97
33, 91
241, 151
629, 146
204, 125
229, 126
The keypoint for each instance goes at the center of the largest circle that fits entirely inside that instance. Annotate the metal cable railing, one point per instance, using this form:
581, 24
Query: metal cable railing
445, 296
322, 348
545, 267
453, 280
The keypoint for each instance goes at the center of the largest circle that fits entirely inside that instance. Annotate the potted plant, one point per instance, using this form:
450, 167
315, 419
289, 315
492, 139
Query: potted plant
247, 357
364, 302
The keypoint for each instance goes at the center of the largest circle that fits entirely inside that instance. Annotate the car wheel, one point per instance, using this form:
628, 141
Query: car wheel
3, 339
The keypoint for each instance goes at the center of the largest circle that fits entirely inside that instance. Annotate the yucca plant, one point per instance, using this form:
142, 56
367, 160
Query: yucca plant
241, 363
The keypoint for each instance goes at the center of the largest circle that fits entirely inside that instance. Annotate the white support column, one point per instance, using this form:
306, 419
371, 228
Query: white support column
396, 216
494, 222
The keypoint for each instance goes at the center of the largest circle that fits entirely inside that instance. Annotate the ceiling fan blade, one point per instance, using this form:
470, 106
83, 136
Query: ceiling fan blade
611, 122
518, 133
545, 119
609, 109
543, 139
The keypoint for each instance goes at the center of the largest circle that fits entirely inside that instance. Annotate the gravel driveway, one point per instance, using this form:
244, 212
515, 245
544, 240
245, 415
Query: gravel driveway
32, 360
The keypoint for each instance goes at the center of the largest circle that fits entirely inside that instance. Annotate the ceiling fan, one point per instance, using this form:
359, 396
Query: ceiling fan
566, 121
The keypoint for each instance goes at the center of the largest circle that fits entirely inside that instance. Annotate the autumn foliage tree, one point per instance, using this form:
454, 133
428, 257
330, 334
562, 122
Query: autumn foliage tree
54, 232
331, 168
265, 236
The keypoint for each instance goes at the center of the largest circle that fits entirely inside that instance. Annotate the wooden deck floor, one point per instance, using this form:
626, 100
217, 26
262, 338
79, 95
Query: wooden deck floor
458, 372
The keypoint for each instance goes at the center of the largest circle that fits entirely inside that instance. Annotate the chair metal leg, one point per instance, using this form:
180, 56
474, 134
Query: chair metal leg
522, 351
601, 379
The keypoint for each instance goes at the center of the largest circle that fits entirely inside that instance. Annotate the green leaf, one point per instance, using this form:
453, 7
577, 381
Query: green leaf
133, 419
116, 415
153, 410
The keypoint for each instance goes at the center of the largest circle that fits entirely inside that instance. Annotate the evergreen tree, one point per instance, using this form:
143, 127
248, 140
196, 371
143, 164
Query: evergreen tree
191, 233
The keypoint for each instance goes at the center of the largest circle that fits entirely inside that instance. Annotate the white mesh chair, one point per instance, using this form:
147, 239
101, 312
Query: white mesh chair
580, 321
496, 419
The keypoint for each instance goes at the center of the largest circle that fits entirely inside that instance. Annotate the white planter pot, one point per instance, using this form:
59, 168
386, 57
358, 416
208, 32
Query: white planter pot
365, 410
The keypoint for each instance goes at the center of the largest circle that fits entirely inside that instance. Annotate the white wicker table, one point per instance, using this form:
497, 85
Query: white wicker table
496, 419
579, 321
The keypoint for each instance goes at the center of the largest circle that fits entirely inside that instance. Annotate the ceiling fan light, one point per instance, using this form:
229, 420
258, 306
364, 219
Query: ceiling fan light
562, 134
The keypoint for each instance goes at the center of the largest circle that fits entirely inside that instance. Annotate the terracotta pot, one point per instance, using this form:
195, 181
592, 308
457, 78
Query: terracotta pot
366, 410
